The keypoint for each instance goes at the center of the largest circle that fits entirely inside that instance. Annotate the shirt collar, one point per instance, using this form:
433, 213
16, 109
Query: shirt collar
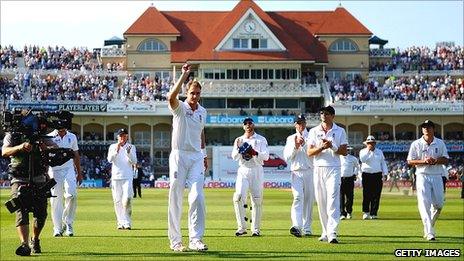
334, 127
422, 140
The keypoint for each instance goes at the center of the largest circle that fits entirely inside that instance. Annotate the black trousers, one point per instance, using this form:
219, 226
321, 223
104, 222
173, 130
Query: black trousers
136, 187
346, 195
372, 188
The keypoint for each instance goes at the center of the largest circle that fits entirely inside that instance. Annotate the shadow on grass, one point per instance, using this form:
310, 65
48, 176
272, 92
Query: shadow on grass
224, 254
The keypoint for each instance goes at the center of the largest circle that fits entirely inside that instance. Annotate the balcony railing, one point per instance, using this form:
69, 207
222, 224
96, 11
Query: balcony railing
381, 52
400, 73
267, 89
113, 52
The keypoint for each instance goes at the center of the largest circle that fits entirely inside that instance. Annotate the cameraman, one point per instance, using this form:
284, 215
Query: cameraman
20, 151
65, 176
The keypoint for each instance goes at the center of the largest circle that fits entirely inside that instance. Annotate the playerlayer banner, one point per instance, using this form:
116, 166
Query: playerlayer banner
225, 168
49, 106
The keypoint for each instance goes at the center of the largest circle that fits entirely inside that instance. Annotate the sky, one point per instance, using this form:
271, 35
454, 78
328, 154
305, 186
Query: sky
89, 23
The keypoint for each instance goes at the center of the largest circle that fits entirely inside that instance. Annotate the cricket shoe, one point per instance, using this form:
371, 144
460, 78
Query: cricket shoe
240, 232
197, 245
69, 231
178, 247
295, 231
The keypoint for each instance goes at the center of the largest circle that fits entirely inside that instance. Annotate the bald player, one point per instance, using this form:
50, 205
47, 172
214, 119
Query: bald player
187, 164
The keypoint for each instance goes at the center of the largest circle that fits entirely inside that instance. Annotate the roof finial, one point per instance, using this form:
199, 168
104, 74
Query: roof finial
152, 4
340, 3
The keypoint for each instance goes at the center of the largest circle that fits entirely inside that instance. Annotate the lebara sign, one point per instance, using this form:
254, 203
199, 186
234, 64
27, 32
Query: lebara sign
264, 120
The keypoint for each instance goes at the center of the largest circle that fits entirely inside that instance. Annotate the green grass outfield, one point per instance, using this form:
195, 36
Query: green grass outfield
96, 236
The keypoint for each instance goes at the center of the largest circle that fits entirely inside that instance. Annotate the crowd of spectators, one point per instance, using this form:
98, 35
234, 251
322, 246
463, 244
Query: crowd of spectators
144, 88
417, 88
424, 59
60, 58
8, 57
89, 86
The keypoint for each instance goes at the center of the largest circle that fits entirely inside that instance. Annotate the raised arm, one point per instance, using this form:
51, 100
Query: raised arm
172, 95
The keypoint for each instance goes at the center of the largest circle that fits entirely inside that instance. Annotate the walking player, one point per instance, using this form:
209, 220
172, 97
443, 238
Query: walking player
123, 155
327, 142
250, 150
302, 179
67, 176
187, 164
429, 154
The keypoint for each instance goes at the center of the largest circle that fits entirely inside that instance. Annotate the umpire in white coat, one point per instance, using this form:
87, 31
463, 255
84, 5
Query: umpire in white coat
327, 142
429, 154
67, 177
122, 155
302, 179
373, 167
249, 176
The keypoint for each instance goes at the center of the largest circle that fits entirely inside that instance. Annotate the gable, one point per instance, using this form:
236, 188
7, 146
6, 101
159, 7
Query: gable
250, 29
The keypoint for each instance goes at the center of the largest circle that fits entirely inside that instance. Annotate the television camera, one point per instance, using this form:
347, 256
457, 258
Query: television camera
33, 127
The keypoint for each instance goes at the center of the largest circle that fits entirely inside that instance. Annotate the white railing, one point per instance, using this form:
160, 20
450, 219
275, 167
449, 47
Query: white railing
42, 72
113, 52
267, 89
400, 73
381, 52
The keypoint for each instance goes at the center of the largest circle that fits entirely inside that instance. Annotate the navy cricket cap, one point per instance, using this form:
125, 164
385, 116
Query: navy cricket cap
428, 123
328, 109
122, 131
299, 118
248, 119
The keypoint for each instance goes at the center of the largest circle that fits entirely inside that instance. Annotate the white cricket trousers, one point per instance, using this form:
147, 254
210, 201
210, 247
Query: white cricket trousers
186, 168
430, 200
303, 199
122, 197
327, 182
66, 187
252, 179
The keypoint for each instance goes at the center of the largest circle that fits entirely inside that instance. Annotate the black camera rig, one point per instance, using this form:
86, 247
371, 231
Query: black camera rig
33, 128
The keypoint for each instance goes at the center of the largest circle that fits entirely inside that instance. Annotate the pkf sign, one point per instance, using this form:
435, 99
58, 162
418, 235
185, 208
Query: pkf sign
356, 107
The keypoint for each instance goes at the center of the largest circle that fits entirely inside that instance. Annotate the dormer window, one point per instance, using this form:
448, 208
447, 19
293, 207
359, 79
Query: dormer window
343, 45
253, 43
152, 45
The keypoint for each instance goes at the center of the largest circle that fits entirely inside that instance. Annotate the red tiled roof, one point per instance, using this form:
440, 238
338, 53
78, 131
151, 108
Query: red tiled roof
342, 22
152, 21
201, 32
